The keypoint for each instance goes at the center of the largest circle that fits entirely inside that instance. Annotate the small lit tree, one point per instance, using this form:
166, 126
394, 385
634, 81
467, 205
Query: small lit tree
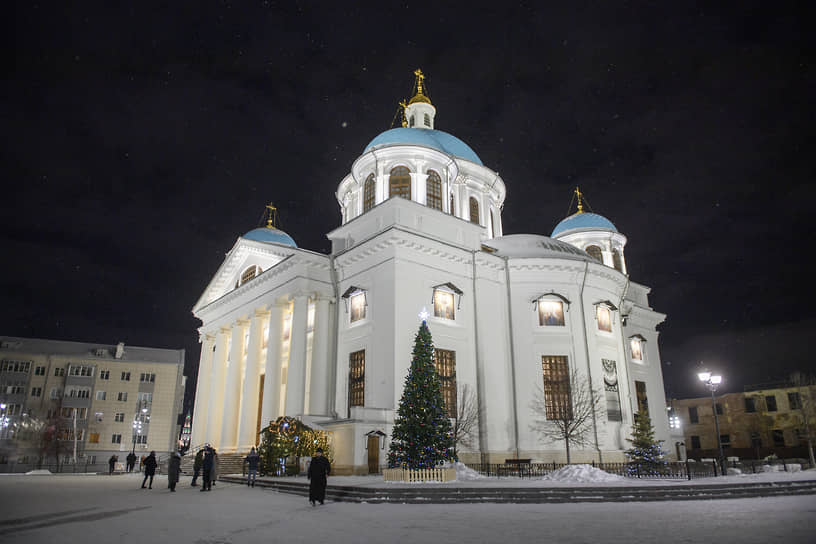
289, 437
646, 455
421, 437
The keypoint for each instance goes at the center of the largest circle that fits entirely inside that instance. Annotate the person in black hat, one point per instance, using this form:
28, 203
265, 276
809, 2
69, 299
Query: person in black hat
319, 469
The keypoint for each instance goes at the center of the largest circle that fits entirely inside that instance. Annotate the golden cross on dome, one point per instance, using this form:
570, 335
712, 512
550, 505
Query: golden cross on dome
420, 78
579, 196
272, 219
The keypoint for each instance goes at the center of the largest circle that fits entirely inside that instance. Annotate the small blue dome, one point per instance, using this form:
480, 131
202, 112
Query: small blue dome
583, 220
435, 139
266, 234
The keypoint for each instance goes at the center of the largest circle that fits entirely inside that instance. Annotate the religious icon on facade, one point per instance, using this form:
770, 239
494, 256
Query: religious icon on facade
358, 307
550, 313
604, 319
443, 304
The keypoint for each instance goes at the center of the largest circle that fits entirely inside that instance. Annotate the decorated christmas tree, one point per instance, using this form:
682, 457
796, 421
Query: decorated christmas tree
646, 455
422, 431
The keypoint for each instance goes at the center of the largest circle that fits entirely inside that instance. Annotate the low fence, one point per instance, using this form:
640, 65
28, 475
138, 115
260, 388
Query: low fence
687, 470
57, 468
420, 475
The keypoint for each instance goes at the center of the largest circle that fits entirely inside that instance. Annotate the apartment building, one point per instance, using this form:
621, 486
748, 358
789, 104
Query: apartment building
103, 399
761, 421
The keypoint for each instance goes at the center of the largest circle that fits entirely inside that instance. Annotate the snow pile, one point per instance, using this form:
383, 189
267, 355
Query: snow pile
732, 471
582, 473
38, 472
464, 472
771, 468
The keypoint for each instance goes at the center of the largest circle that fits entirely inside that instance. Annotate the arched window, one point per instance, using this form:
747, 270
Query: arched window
427, 120
248, 274
595, 253
434, 190
474, 210
368, 193
399, 183
616, 260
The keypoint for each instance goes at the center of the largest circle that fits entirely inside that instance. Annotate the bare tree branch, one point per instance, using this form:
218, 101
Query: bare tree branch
465, 425
570, 416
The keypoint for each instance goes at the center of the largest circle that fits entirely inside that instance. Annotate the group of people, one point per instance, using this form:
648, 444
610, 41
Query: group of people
206, 466
130, 462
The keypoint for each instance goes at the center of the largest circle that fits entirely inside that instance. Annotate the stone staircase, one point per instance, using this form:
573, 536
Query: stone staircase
228, 463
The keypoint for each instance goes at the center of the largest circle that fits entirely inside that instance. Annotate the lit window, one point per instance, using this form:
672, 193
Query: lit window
642, 399
399, 183
248, 274
443, 304
595, 253
93, 438
550, 313
433, 190
368, 193
445, 363
357, 378
557, 398
310, 317
604, 317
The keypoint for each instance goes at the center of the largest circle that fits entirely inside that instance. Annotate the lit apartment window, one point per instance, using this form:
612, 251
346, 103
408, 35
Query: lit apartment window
93, 438
357, 378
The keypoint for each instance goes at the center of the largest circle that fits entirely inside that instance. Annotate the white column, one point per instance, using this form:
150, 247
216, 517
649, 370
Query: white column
319, 379
205, 368
270, 410
232, 389
249, 397
296, 376
215, 402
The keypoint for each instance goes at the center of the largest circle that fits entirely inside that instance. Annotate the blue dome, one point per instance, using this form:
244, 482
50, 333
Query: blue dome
583, 220
265, 234
435, 139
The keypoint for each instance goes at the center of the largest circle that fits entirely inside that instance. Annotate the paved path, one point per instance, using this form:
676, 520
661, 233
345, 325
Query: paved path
103, 509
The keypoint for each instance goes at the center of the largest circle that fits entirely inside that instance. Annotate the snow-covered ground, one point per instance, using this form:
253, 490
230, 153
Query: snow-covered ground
101, 509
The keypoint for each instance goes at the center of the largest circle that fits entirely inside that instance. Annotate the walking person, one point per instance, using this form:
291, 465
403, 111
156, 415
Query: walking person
207, 467
319, 469
252, 460
111, 464
197, 462
150, 464
173, 470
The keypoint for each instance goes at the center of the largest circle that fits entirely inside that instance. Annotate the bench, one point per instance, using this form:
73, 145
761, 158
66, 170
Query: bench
514, 467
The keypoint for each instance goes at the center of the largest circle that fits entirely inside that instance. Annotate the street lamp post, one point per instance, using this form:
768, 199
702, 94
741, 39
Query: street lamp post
713, 381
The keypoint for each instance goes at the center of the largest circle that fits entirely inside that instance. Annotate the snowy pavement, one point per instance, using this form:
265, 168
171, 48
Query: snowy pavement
102, 509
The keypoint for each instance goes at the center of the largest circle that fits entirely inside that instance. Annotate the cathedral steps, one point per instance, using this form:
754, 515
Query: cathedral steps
449, 494
228, 463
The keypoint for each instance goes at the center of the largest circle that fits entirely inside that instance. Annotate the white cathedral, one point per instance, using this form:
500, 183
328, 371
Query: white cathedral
328, 338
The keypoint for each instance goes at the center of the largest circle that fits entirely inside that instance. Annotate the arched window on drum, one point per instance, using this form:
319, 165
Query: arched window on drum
595, 253
433, 190
399, 183
368, 193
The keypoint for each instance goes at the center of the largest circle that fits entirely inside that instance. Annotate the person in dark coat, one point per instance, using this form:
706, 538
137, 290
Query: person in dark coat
173, 470
252, 460
112, 464
199, 459
319, 469
207, 468
150, 464
131, 461
215, 466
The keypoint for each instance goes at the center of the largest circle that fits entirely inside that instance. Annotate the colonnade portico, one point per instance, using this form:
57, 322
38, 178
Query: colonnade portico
231, 372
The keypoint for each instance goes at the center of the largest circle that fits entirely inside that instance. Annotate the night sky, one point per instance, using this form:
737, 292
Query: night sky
139, 141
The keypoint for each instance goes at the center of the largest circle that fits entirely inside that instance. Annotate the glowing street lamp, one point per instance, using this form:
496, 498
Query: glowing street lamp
713, 381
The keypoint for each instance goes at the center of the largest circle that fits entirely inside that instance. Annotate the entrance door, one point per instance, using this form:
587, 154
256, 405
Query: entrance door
373, 454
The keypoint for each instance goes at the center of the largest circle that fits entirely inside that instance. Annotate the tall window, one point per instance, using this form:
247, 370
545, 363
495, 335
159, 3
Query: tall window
595, 253
445, 363
695, 442
795, 401
693, 416
443, 304
613, 407
642, 400
770, 402
556, 387
399, 183
616, 260
474, 210
434, 190
368, 193
750, 405
357, 378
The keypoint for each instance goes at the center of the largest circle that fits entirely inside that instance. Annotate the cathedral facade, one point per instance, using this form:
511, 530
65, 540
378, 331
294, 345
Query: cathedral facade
328, 338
